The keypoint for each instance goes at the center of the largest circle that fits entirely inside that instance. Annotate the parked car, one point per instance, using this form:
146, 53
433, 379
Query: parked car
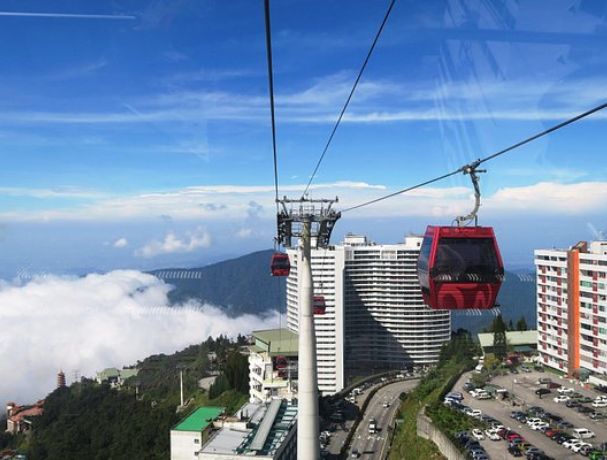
564, 424
585, 410
583, 433
599, 403
561, 399
533, 421
492, 435
542, 391
473, 412
565, 390
572, 403
596, 415
578, 447
513, 450
478, 434
539, 426
513, 435
469, 386
571, 442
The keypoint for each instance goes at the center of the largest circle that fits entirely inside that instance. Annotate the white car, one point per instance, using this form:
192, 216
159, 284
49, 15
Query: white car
473, 412
576, 448
565, 391
599, 403
583, 433
478, 434
572, 442
492, 434
538, 426
533, 421
560, 399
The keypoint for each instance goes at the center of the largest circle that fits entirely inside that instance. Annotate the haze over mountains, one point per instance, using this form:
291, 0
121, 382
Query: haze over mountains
244, 285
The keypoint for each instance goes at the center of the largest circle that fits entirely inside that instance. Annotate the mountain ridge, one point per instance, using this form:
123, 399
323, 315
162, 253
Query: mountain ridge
243, 285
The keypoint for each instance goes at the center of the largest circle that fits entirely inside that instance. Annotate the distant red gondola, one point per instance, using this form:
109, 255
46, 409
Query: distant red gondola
280, 362
280, 265
319, 305
460, 268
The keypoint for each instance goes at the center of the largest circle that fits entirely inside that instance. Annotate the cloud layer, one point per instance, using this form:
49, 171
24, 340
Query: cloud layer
90, 323
172, 244
249, 204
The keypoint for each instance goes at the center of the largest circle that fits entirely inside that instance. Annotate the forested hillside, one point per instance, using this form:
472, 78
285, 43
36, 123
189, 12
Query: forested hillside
241, 285
93, 421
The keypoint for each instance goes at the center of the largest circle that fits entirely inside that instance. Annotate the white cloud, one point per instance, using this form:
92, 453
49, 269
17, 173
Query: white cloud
101, 320
244, 233
172, 244
57, 192
376, 101
121, 243
243, 205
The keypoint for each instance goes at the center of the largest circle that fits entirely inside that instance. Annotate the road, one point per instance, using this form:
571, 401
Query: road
370, 445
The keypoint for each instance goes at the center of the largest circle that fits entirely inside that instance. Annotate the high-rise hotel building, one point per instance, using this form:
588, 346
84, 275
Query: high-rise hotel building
571, 307
375, 318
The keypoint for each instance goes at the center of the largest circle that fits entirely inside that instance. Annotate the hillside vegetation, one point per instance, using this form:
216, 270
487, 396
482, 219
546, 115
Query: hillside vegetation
93, 421
456, 357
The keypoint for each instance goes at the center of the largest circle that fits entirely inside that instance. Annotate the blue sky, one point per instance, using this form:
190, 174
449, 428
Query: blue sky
144, 141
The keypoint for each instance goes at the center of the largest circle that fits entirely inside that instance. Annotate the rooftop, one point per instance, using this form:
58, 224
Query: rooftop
199, 419
268, 427
276, 342
513, 338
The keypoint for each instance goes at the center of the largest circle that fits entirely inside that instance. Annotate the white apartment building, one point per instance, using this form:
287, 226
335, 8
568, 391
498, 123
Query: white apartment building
272, 365
375, 318
571, 307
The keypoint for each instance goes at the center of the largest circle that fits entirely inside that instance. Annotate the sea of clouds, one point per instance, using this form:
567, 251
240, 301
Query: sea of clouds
85, 324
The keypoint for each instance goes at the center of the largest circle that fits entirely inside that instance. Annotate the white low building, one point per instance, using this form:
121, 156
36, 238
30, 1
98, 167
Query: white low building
188, 436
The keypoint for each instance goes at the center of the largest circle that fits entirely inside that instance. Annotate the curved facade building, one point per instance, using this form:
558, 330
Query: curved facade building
376, 319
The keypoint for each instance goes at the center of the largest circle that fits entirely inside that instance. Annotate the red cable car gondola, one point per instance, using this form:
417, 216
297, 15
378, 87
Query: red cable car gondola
319, 305
460, 268
280, 265
280, 362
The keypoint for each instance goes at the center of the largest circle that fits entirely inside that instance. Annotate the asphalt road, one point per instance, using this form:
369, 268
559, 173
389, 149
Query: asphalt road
370, 445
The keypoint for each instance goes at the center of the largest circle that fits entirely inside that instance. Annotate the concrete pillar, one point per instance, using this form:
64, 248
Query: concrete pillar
308, 447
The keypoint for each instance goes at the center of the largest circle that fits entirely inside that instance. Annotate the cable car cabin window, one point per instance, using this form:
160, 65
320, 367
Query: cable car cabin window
424, 254
466, 260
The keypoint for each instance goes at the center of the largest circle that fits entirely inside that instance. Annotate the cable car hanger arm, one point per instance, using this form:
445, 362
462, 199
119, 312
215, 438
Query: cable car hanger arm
472, 170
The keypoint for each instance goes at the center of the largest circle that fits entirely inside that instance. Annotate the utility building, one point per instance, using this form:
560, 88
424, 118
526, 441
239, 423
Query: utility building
571, 307
375, 317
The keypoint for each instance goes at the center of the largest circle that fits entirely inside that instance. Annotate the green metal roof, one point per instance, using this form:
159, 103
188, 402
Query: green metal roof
276, 342
110, 372
128, 373
199, 419
514, 338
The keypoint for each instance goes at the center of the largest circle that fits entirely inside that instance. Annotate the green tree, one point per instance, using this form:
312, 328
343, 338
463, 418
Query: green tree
500, 347
521, 324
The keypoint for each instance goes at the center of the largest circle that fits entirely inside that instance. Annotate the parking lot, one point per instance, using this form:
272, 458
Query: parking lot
523, 386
